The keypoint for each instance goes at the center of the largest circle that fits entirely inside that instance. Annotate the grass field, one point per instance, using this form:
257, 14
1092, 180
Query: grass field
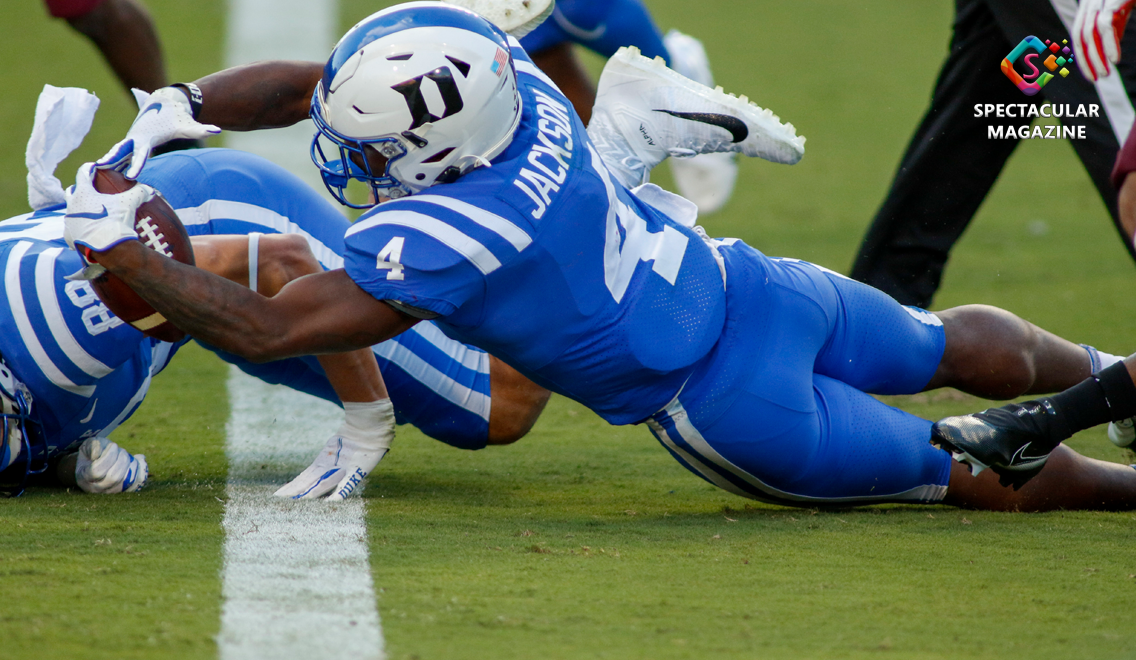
588, 541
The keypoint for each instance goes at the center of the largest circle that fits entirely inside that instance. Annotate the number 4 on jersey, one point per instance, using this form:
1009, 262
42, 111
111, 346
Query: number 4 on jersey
664, 249
390, 257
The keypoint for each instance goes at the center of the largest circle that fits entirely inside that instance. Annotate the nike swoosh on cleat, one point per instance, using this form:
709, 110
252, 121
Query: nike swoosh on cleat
91, 216
735, 126
1019, 455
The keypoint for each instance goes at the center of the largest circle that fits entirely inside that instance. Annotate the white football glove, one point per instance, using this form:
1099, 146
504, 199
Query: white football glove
349, 455
162, 116
104, 467
98, 221
1096, 35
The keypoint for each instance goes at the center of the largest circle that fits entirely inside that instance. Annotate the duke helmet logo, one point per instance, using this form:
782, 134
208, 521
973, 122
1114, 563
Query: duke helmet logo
1032, 79
412, 92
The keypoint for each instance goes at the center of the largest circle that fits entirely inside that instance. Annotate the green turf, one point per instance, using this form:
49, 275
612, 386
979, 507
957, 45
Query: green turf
588, 541
131, 576
585, 540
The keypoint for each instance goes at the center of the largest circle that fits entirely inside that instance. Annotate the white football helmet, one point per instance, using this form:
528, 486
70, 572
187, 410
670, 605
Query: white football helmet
430, 86
21, 440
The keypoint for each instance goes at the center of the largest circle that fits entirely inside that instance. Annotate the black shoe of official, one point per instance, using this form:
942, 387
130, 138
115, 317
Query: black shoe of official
1014, 440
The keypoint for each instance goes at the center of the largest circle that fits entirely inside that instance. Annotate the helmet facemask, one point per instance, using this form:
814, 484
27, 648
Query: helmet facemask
338, 173
22, 451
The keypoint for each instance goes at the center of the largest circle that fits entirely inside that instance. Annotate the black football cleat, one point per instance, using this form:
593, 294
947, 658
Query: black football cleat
1014, 440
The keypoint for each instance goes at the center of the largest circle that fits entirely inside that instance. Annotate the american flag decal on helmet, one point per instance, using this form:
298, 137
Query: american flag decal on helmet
499, 62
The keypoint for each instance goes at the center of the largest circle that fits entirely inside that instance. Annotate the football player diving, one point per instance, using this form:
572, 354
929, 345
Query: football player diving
499, 221
71, 372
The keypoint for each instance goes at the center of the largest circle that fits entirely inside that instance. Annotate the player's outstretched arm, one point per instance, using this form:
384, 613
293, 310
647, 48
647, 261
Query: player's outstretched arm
267, 94
317, 314
281, 259
324, 313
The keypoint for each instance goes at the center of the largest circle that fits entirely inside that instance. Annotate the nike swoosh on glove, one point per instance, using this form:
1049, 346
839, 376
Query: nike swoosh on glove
99, 221
1096, 35
104, 467
348, 456
162, 116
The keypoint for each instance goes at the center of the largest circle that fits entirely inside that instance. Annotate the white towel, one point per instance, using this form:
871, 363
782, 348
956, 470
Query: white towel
63, 118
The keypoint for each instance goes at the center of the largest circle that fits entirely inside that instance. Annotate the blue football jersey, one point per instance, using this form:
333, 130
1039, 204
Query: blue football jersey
547, 262
224, 191
87, 370
436, 383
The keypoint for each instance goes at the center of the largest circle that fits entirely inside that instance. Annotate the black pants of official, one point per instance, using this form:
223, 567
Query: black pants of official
950, 164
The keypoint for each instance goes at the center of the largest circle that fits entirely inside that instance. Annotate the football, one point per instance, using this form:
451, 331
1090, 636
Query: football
160, 230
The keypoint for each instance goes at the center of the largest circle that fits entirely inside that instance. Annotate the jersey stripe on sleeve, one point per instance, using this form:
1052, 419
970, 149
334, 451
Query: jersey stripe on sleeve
474, 252
491, 221
530, 69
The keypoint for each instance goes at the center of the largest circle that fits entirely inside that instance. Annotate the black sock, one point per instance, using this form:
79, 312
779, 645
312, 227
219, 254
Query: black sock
1107, 396
1119, 390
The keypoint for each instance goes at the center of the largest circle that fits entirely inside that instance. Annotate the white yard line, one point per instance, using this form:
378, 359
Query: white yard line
297, 579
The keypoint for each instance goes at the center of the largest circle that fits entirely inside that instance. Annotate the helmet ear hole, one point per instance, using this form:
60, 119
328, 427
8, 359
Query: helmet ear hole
438, 157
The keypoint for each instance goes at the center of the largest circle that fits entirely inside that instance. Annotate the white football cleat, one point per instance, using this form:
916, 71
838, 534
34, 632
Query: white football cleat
707, 179
517, 17
645, 112
1122, 433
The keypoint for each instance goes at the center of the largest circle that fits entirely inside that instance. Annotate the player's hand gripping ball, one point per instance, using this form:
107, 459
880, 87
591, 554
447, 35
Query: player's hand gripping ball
159, 229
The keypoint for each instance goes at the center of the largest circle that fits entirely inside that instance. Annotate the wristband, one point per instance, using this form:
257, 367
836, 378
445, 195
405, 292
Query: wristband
195, 98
